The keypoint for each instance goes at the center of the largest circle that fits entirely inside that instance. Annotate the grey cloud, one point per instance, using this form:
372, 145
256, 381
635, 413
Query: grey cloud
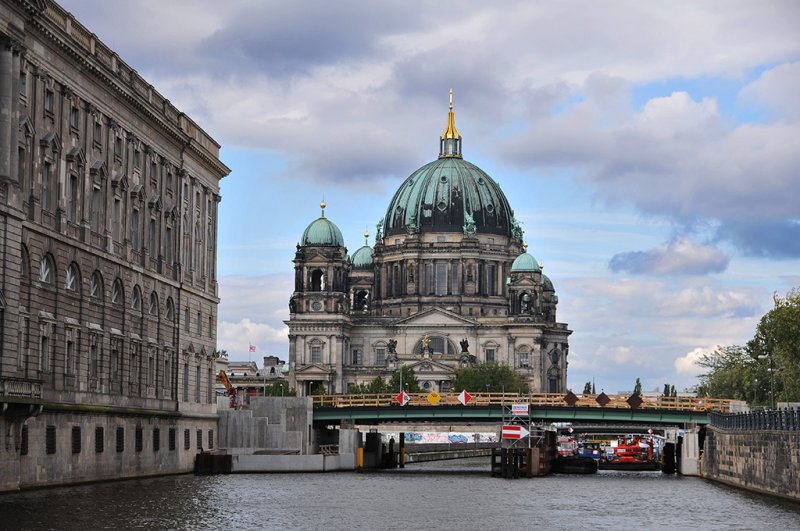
679, 257
777, 90
772, 238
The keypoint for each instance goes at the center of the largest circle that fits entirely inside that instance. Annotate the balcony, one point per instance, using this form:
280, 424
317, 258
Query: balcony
19, 387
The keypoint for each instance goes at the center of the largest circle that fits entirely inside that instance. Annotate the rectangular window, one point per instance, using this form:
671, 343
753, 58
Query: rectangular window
356, 356
72, 199
428, 285
137, 158
99, 440
49, 100
199, 323
489, 355
135, 229
210, 439
454, 278
316, 354
74, 118
118, 147
186, 440
197, 384
151, 244
50, 440
116, 221
69, 356
186, 319
93, 357
46, 185
441, 239
380, 356
138, 439
23, 443
168, 246
76, 439
45, 353
186, 382
211, 326
114, 361
199, 439
95, 217
120, 439
171, 438
481, 279
156, 439
491, 280
523, 359
441, 278
98, 133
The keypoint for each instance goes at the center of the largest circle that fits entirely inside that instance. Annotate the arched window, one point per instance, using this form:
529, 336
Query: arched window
72, 279
96, 286
317, 280
26, 264
523, 357
152, 309
47, 270
555, 356
170, 310
553, 380
117, 293
437, 345
136, 298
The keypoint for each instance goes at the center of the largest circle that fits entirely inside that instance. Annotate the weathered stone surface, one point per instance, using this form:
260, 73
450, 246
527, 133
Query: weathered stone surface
762, 461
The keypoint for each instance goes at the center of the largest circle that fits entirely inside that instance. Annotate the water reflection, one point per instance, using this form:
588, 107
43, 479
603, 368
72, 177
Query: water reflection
443, 495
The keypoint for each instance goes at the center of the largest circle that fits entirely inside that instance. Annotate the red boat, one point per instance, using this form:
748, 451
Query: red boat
629, 454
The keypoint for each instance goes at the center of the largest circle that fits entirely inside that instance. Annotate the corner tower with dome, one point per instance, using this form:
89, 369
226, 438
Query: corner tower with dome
448, 283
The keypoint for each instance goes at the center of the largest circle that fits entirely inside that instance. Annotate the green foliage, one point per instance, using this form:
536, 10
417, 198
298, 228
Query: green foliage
733, 373
410, 382
279, 389
637, 389
496, 376
376, 386
587, 388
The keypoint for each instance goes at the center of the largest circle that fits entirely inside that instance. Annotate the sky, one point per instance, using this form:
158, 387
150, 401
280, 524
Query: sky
650, 149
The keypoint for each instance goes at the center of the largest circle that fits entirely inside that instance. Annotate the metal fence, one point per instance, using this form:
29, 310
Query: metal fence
768, 419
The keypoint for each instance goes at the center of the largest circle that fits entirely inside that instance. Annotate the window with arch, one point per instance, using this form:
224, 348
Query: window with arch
47, 270
523, 357
71, 282
437, 345
315, 349
152, 309
317, 280
26, 264
170, 310
136, 298
555, 356
117, 293
96, 286
553, 381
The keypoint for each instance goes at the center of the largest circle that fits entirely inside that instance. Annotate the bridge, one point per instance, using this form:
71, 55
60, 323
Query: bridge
375, 409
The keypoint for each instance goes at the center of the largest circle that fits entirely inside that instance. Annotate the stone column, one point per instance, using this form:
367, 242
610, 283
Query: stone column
6, 113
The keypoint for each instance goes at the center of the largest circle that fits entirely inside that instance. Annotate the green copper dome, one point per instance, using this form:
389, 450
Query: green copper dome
525, 263
547, 285
439, 196
324, 232
362, 258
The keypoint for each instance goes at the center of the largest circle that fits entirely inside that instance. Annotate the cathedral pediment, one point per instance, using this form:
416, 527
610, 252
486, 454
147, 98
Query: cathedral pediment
430, 366
436, 317
313, 369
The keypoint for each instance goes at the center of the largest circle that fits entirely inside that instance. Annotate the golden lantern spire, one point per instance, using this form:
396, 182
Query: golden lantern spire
450, 140
322, 205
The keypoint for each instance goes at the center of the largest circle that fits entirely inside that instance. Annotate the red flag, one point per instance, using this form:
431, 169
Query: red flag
252, 348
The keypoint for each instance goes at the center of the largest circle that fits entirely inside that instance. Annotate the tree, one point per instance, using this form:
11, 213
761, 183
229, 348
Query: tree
637, 389
491, 377
376, 386
279, 389
587, 389
410, 382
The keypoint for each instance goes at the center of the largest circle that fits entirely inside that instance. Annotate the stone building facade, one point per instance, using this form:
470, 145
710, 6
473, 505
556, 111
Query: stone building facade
448, 283
108, 290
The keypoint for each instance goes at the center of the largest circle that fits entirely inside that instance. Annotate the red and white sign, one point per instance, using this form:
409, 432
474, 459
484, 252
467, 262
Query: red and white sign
514, 432
402, 398
569, 429
650, 431
519, 409
464, 397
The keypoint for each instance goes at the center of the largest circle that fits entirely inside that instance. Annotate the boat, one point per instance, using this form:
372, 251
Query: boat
631, 453
573, 464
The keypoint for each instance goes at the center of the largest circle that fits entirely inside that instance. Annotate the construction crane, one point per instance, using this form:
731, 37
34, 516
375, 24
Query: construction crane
229, 387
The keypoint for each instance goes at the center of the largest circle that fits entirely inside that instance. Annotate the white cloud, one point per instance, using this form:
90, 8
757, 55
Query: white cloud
777, 89
680, 256
687, 365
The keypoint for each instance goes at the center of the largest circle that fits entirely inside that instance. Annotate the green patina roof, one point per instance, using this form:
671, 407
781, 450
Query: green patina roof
547, 285
436, 198
525, 263
362, 258
322, 231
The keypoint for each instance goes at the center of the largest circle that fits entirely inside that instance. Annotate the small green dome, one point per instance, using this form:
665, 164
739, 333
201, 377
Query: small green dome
547, 285
322, 231
525, 263
362, 258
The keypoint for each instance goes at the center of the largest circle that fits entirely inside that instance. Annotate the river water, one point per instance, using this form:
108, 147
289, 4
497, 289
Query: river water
444, 495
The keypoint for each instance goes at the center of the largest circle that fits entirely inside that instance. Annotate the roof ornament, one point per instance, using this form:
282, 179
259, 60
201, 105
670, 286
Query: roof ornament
450, 140
322, 205
366, 236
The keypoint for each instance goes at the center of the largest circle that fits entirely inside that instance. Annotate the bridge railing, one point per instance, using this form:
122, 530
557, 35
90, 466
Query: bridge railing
545, 399
768, 419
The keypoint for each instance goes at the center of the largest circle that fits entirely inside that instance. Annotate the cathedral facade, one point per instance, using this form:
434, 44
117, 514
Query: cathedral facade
448, 283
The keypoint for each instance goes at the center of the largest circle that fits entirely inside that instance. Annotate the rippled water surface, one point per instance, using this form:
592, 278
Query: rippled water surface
444, 495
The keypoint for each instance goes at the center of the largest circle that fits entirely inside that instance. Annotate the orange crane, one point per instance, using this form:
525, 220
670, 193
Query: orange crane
229, 387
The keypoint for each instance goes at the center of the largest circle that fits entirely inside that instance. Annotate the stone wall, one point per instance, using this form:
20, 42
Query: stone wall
763, 461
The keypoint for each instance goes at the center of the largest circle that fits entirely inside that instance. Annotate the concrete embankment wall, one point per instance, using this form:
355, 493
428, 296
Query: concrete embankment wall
766, 461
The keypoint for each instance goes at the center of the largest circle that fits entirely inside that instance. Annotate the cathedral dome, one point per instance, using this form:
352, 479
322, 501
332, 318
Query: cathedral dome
322, 232
525, 263
547, 285
450, 195
362, 258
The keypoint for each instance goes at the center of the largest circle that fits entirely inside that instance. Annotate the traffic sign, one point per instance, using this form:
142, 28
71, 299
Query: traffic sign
650, 431
402, 398
433, 398
519, 409
515, 432
464, 397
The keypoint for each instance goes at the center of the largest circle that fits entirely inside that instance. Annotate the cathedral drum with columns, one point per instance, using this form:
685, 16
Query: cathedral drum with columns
448, 283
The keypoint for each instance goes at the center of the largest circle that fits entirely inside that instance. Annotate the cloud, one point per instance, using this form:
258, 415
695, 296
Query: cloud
678, 257
773, 238
777, 90
687, 364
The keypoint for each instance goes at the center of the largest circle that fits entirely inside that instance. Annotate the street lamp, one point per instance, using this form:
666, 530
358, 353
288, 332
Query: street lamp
771, 377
